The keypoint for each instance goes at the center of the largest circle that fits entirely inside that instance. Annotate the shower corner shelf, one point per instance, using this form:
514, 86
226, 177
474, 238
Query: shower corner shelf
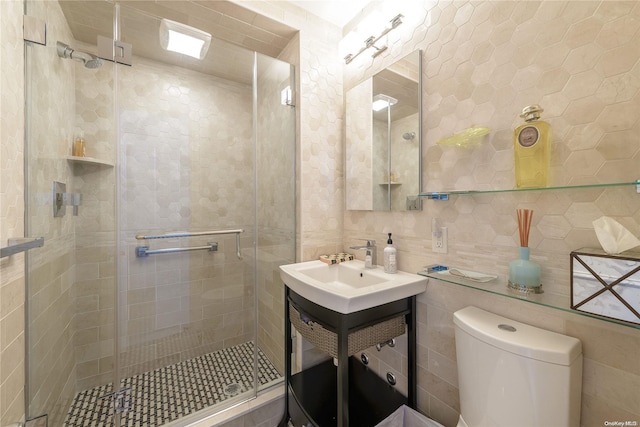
88, 160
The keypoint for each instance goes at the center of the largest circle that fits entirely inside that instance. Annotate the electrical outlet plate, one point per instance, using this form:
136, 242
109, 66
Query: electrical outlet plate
439, 243
414, 203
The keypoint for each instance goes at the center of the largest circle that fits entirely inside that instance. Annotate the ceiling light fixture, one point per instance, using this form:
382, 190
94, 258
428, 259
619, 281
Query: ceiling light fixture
382, 101
372, 40
181, 38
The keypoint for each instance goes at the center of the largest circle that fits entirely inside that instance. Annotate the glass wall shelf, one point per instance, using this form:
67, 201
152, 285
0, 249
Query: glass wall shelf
444, 195
499, 287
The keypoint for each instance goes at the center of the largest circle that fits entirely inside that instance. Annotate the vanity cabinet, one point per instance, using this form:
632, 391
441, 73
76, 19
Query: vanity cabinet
349, 394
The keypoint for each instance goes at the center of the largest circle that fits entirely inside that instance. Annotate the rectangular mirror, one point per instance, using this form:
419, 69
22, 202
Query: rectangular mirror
383, 139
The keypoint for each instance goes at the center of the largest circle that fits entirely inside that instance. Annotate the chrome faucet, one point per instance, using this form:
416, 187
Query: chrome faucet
371, 251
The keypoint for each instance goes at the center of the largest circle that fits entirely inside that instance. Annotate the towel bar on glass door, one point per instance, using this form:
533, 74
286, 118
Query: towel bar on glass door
20, 244
143, 250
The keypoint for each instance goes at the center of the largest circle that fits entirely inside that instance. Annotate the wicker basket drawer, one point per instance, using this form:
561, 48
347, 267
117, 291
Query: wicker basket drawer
359, 340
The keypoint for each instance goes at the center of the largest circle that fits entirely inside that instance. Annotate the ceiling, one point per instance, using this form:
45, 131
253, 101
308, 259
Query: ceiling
400, 81
230, 25
340, 12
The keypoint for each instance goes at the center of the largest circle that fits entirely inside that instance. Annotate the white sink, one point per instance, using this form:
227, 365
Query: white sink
349, 287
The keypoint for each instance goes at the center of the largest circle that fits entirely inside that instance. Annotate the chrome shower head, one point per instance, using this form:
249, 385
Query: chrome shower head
89, 60
94, 62
408, 136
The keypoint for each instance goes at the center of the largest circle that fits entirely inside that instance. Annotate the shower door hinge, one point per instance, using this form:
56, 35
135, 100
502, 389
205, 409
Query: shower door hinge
286, 97
34, 30
39, 421
121, 400
109, 49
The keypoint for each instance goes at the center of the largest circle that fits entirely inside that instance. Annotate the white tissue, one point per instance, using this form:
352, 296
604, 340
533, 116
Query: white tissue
613, 236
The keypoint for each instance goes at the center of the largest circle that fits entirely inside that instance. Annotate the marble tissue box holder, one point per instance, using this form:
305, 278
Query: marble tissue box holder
606, 285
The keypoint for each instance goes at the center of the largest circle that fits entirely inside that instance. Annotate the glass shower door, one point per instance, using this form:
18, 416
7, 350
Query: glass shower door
70, 201
191, 243
276, 198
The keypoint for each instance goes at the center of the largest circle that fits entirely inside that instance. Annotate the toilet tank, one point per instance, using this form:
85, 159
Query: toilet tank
513, 374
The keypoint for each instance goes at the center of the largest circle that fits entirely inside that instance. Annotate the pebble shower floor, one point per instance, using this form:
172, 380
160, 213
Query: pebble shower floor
168, 393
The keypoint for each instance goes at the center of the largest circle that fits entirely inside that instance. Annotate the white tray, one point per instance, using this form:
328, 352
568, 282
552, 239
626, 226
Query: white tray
469, 275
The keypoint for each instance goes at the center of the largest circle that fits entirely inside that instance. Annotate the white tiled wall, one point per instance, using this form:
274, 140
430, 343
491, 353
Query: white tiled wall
485, 61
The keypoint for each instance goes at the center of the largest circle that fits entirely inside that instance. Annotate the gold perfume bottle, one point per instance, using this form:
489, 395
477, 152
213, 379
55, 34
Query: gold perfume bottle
532, 149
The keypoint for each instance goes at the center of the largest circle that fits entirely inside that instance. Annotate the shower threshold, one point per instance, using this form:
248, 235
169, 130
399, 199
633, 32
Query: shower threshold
166, 394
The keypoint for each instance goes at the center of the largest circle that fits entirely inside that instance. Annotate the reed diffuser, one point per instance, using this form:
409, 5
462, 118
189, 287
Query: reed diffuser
524, 275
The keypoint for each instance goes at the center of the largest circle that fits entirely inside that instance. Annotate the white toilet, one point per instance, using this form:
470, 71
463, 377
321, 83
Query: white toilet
512, 374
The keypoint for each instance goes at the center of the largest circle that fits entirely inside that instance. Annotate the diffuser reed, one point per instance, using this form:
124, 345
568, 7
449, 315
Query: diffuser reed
524, 225
524, 275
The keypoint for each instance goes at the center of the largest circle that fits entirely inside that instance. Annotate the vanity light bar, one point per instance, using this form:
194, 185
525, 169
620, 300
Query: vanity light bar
371, 41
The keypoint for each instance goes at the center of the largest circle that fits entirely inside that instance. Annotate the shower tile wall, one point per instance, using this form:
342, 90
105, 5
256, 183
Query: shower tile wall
188, 152
319, 157
95, 227
275, 204
321, 170
380, 153
404, 162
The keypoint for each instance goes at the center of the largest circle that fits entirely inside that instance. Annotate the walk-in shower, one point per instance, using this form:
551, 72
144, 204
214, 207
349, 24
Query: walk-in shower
161, 300
89, 60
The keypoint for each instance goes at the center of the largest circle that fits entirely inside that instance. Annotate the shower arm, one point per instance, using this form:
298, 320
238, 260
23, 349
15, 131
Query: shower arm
88, 59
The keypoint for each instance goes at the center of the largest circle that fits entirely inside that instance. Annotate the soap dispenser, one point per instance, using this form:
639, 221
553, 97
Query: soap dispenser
390, 264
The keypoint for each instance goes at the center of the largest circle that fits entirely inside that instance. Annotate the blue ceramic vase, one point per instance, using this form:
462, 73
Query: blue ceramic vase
524, 275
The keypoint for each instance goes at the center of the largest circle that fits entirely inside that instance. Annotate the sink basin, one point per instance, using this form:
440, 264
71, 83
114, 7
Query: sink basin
349, 287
